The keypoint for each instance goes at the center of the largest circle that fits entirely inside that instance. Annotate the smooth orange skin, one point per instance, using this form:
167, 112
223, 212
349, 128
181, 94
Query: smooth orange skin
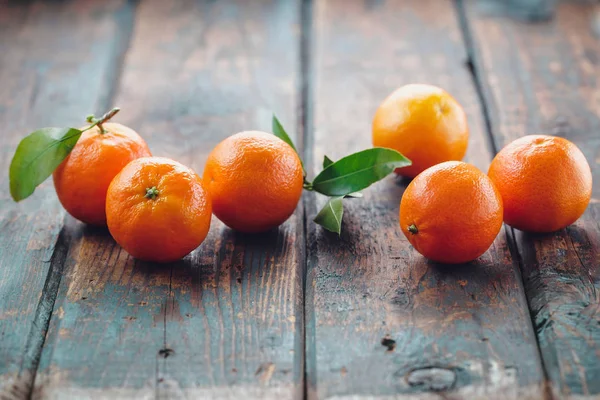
424, 123
163, 229
82, 179
456, 209
255, 181
545, 183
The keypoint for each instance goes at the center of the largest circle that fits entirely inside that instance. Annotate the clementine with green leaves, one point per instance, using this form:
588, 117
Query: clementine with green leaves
82, 179
82, 161
255, 181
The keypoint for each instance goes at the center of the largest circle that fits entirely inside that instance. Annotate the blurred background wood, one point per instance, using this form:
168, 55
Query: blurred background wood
79, 318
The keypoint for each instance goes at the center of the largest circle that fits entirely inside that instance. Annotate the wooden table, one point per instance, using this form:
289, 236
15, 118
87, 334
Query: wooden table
297, 312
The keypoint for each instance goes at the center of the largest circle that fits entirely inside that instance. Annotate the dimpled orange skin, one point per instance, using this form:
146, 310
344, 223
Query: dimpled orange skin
82, 179
545, 182
456, 210
255, 181
164, 228
425, 124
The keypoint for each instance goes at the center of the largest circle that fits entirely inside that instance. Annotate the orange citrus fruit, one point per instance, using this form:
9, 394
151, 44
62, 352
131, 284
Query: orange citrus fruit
424, 123
82, 179
158, 209
545, 182
255, 181
451, 212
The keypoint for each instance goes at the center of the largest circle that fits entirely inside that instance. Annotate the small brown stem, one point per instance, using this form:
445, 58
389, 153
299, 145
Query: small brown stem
412, 228
99, 121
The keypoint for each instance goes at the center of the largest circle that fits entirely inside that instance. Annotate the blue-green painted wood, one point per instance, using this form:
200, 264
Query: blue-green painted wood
227, 320
49, 77
544, 78
382, 320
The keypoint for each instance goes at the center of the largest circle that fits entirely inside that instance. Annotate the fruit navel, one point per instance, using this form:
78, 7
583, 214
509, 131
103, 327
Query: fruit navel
412, 228
151, 193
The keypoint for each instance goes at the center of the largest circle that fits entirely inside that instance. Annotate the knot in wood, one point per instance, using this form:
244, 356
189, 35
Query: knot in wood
432, 378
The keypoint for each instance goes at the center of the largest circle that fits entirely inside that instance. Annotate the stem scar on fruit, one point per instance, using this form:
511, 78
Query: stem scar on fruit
151, 193
412, 228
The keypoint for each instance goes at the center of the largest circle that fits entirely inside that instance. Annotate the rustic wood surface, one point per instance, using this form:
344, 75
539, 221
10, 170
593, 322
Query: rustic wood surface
227, 320
41, 85
545, 78
381, 319
296, 312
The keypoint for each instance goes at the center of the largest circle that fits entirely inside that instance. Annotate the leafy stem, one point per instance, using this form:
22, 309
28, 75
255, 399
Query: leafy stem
307, 185
346, 177
42, 151
99, 121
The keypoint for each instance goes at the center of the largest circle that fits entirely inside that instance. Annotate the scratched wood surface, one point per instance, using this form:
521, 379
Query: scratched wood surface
226, 321
41, 85
296, 312
381, 320
544, 78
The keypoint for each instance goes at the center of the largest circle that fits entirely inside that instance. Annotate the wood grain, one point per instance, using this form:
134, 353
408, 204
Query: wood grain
381, 320
225, 322
49, 77
543, 78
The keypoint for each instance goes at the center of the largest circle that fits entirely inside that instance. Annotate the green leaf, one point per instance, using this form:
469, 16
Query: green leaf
326, 163
281, 133
37, 156
358, 171
330, 216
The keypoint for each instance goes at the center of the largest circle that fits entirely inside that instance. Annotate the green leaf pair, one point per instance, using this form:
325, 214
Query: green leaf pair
346, 177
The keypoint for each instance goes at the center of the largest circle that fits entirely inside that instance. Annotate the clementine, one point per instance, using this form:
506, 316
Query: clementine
451, 212
424, 123
82, 179
158, 209
255, 181
545, 182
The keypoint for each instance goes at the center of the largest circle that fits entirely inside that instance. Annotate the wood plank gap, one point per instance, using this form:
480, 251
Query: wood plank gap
487, 106
485, 99
305, 125
36, 339
306, 80
23, 386
307, 115
165, 351
125, 20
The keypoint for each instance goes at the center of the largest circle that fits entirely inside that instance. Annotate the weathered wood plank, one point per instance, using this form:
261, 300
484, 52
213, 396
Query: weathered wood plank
381, 320
48, 77
543, 78
226, 321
